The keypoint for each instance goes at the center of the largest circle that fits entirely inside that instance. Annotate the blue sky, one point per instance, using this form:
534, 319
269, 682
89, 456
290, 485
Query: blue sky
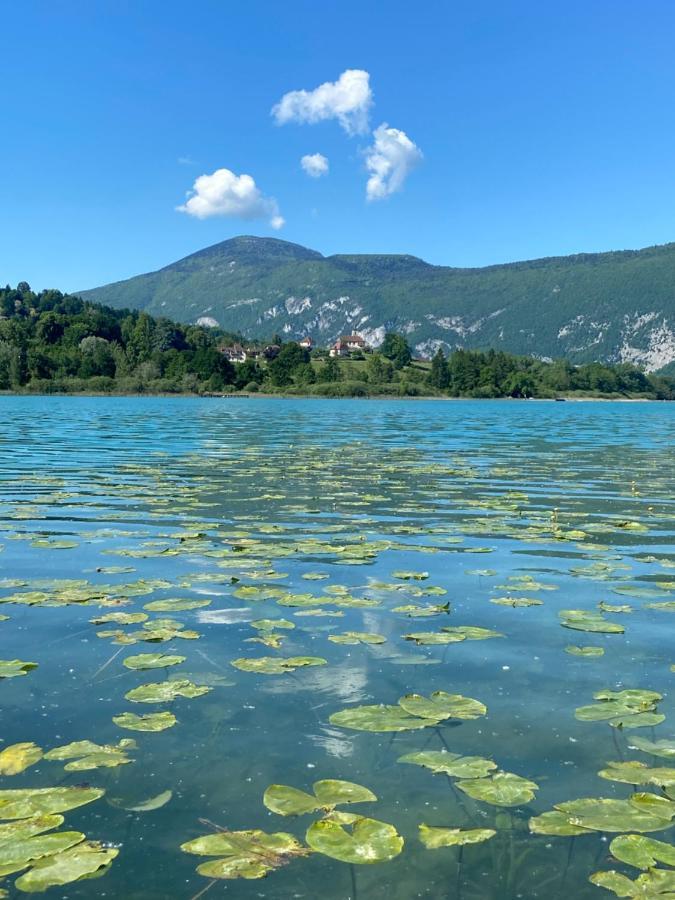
543, 128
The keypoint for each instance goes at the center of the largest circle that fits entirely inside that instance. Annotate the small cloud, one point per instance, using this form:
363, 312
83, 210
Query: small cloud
390, 159
186, 161
348, 100
315, 165
225, 194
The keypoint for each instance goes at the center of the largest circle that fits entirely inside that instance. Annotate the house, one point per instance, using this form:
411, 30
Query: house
347, 344
306, 343
235, 353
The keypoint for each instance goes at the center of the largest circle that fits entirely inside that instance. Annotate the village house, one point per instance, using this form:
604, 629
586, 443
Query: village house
348, 343
235, 353
306, 343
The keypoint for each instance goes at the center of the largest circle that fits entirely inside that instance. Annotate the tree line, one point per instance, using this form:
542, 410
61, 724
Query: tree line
54, 342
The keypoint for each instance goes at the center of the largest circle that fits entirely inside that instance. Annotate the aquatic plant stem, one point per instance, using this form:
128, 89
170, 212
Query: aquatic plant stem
353, 876
204, 890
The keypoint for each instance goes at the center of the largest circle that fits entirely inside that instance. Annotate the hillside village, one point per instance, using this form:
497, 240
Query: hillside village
345, 346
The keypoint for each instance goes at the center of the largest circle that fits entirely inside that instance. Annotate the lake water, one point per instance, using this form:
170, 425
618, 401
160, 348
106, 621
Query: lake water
569, 503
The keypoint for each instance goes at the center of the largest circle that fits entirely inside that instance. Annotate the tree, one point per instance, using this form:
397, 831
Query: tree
396, 348
330, 371
380, 370
282, 368
439, 375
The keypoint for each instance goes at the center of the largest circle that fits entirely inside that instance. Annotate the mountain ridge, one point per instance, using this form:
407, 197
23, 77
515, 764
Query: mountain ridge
615, 306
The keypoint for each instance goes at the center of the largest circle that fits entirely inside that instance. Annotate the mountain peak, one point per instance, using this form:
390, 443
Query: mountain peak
249, 249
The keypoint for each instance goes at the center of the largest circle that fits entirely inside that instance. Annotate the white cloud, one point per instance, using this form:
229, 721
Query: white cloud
225, 194
315, 165
348, 100
390, 159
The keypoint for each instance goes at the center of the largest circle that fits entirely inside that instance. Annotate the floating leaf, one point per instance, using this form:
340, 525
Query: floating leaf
19, 853
472, 632
641, 852
28, 802
452, 764
163, 691
632, 772
602, 814
410, 576
516, 601
652, 885
416, 612
148, 805
86, 755
10, 668
441, 705
584, 651
18, 757
500, 789
587, 620
244, 854
272, 624
555, 823
63, 868
176, 605
378, 718
152, 661
289, 801
368, 841
158, 721
664, 748
434, 637
357, 637
120, 618
273, 665
433, 838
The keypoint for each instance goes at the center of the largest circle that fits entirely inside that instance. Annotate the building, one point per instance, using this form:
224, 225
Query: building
348, 343
306, 343
235, 353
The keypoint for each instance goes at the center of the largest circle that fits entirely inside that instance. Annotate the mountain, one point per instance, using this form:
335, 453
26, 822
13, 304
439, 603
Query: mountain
613, 307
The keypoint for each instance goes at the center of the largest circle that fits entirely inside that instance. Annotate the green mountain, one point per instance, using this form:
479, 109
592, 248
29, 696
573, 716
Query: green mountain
613, 307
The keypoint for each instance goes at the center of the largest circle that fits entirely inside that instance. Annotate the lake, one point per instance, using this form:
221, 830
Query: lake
365, 521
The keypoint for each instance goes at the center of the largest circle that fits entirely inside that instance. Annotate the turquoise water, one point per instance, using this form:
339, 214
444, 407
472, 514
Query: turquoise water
190, 494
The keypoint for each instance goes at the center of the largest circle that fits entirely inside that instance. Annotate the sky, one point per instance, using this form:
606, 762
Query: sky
466, 133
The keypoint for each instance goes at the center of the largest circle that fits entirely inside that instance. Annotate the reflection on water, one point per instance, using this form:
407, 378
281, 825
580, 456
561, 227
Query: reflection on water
126, 501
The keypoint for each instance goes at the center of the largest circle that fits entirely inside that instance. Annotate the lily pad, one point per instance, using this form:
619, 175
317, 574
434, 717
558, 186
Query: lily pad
357, 637
555, 823
434, 637
26, 803
584, 651
664, 748
163, 691
367, 841
18, 757
602, 814
378, 718
472, 632
452, 764
152, 661
500, 789
81, 861
176, 604
588, 620
276, 665
158, 721
86, 755
641, 852
244, 854
289, 801
433, 838
10, 668
652, 885
441, 705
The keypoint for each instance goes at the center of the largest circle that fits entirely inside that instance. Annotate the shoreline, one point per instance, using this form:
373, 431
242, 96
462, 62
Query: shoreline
241, 395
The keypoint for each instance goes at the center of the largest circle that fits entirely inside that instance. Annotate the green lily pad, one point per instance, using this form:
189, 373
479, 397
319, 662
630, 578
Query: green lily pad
555, 823
452, 764
441, 705
641, 852
602, 814
271, 624
158, 721
163, 691
289, 801
419, 612
176, 605
149, 805
274, 665
19, 853
434, 637
10, 668
584, 651
517, 601
152, 661
368, 840
81, 861
632, 772
244, 854
472, 632
624, 709
120, 618
18, 757
433, 838
410, 576
357, 637
378, 718
86, 755
651, 885
588, 620
26, 803
664, 748
500, 789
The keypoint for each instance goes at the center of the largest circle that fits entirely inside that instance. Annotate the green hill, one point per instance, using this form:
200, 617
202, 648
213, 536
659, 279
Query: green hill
614, 307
